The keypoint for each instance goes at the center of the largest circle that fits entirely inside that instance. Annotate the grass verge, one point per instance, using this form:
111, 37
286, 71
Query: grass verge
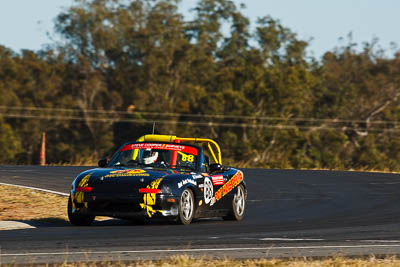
187, 261
25, 204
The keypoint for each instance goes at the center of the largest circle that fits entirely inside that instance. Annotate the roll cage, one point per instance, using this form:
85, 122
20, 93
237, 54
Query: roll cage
210, 144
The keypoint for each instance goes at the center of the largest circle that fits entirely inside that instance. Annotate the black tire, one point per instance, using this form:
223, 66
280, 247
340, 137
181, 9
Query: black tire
186, 207
238, 205
76, 218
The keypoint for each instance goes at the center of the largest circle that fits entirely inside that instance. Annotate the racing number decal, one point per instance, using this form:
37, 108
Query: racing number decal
185, 157
189, 158
149, 199
208, 190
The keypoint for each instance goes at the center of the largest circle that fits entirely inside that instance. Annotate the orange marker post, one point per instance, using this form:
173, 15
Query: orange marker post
42, 155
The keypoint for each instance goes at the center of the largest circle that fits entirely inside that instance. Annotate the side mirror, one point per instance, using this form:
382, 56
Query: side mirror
102, 163
216, 167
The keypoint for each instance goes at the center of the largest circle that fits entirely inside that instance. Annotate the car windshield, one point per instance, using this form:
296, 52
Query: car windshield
159, 155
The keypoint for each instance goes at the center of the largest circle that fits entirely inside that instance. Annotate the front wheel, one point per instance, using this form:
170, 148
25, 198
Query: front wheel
186, 207
238, 205
76, 218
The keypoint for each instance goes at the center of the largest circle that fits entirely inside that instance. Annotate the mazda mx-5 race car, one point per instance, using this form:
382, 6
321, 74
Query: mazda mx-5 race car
160, 176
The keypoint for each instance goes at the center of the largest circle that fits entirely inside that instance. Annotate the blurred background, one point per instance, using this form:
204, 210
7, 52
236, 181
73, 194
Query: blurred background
294, 84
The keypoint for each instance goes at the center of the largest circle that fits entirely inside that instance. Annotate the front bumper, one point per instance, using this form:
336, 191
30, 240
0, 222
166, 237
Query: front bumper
126, 205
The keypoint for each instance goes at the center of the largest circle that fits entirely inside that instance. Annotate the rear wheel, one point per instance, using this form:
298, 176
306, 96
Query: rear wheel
76, 218
238, 205
186, 207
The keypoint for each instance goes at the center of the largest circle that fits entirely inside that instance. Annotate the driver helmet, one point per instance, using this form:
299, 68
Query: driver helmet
149, 157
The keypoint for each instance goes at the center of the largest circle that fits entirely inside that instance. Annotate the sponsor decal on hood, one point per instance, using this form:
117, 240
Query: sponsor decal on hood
128, 172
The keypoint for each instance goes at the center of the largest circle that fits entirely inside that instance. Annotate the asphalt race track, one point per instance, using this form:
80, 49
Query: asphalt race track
290, 213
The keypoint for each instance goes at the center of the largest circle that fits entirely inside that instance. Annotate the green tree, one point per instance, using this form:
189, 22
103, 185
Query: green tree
10, 145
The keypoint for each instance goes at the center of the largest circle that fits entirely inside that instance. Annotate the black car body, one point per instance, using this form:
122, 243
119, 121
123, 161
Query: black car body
178, 184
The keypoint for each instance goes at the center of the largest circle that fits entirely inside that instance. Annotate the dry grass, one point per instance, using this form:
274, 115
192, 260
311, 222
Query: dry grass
187, 261
25, 204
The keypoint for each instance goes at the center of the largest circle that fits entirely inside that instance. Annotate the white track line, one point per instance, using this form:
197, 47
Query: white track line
14, 225
192, 250
289, 239
381, 241
39, 189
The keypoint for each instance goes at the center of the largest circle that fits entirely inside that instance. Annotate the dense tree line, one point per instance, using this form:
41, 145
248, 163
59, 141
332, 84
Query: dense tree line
121, 65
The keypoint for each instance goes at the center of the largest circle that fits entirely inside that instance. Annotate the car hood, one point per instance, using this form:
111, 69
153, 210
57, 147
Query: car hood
122, 180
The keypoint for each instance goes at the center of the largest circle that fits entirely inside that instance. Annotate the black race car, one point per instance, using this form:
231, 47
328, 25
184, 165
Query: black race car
159, 176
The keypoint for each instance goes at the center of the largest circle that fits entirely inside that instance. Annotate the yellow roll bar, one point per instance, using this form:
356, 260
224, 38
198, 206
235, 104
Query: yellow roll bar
171, 138
157, 137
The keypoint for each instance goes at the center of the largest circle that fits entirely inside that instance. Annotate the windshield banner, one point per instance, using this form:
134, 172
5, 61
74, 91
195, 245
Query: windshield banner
172, 147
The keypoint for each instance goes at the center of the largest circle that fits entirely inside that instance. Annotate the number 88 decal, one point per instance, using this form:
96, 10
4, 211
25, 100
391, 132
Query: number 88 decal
185, 157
